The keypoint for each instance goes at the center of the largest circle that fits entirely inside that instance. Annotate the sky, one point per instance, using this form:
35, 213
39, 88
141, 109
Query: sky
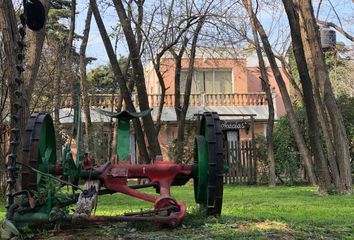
95, 47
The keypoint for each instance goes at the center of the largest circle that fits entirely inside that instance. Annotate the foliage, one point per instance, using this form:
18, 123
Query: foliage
102, 79
261, 153
341, 70
287, 159
49, 185
256, 212
101, 138
346, 105
286, 153
188, 149
51, 73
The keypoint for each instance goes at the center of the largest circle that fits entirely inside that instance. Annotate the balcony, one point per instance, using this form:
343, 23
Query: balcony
203, 99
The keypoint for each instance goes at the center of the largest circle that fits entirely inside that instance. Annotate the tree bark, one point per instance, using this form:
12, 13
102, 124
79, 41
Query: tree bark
9, 31
265, 83
321, 109
178, 69
300, 141
69, 46
69, 73
121, 81
324, 180
336, 120
83, 77
34, 42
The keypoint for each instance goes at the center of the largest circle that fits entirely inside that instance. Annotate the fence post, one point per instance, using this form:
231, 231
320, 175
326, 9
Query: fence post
254, 159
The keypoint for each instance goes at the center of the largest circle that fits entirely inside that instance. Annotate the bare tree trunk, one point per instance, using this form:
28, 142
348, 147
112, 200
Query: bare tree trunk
162, 100
178, 69
340, 139
119, 77
56, 85
265, 83
69, 74
321, 109
138, 75
84, 84
300, 141
9, 31
187, 91
57, 97
324, 180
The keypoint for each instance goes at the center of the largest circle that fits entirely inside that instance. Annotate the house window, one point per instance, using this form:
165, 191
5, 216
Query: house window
209, 80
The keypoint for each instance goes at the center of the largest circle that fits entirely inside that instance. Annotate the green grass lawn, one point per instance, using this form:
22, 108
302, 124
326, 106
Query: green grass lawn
249, 212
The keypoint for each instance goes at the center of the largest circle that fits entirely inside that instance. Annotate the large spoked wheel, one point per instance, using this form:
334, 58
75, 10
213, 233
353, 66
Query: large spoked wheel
39, 149
208, 157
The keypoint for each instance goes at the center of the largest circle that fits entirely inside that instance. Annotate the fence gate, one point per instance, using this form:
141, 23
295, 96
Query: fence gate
241, 159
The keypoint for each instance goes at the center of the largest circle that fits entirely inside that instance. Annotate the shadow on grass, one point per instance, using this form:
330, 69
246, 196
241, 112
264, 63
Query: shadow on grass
194, 226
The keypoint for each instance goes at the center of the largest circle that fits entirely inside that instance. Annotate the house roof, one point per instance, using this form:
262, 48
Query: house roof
249, 55
66, 115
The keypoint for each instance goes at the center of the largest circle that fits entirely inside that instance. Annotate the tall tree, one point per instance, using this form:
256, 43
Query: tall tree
340, 140
138, 76
188, 87
83, 77
69, 72
304, 151
267, 87
119, 76
324, 180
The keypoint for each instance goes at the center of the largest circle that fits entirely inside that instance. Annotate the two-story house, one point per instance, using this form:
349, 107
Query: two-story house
222, 82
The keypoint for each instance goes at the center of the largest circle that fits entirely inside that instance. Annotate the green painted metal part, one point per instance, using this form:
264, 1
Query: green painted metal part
46, 148
72, 169
125, 114
123, 138
201, 178
40, 217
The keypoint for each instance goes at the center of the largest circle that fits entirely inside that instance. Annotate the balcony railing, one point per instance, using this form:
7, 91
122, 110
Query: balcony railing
202, 99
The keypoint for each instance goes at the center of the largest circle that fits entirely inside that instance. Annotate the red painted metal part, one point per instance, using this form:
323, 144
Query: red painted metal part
171, 220
115, 178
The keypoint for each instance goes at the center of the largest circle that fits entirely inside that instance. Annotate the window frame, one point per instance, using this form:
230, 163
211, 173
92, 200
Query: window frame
202, 83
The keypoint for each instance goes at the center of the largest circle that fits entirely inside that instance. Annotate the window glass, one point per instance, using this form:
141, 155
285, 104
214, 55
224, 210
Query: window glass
183, 80
223, 82
195, 83
209, 81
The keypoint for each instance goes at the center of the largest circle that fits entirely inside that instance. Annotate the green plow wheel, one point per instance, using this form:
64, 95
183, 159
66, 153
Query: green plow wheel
39, 149
208, 157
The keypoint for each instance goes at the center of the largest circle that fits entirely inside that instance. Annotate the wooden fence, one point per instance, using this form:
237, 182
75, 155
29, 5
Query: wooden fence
241, 160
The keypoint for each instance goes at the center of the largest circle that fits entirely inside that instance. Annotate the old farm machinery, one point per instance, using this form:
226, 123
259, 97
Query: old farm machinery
37, 201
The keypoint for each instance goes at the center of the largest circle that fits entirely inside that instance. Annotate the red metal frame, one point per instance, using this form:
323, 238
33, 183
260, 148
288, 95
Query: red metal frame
163, 173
